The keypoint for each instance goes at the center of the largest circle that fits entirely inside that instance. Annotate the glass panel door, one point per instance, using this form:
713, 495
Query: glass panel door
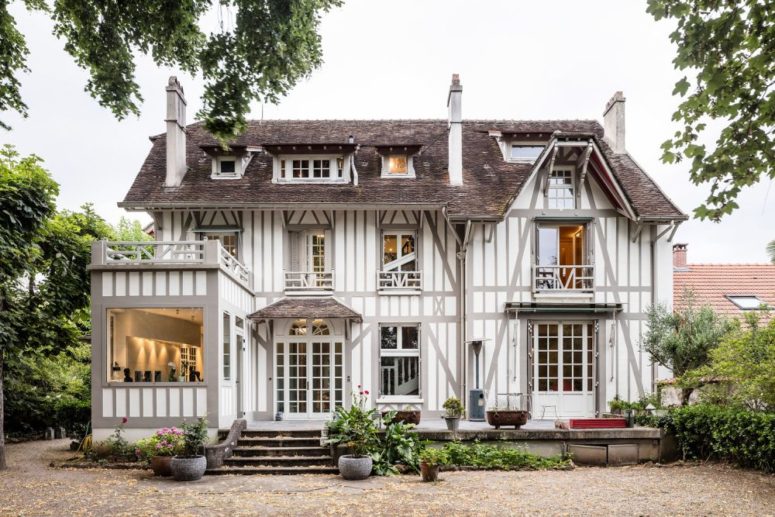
321, 378
297, 377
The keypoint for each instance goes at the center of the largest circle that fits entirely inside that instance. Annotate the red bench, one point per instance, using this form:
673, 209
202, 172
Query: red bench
598, 423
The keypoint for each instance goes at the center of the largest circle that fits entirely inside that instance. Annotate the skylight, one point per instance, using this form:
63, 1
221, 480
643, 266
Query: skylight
746, 303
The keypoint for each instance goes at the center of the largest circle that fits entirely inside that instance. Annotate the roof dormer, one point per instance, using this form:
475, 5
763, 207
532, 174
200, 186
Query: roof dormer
312, 163
397, 161
229, 162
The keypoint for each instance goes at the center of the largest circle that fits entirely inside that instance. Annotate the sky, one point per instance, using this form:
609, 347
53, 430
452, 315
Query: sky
558, 59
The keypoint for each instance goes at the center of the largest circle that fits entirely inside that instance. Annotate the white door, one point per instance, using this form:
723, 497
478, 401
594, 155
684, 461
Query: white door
309, 371
563, 369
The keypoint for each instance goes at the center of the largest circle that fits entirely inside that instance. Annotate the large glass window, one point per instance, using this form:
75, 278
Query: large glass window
561, 258
399, 251
560, 191
155, 345
312, 168
399, 360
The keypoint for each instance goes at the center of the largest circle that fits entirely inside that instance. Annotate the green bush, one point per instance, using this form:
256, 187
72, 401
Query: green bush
746, 438
398, 445
432, 456
501, 458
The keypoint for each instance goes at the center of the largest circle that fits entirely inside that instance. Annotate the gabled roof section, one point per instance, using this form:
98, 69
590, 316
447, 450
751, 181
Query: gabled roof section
312, 308
490, 183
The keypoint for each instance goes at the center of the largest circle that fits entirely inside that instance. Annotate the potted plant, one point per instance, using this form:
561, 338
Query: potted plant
356, 429
454, 411
406, 414
617, 405
507, 412
160, 448
430, 461
191, 464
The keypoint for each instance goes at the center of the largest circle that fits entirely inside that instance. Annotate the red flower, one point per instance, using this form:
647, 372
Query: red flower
359, 386
366, 392
360, 392
124, 420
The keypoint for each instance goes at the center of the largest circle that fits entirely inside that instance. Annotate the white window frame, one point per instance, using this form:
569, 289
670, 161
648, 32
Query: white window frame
226, 316
216, 171
385, 168
400, 258
550, 188
522, 143
205, 234
284, 174
733, 298
400, 351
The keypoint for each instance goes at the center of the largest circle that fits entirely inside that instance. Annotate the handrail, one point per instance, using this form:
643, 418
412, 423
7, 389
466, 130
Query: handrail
234, 266
553, 278
155, 251
399, 280
309, 280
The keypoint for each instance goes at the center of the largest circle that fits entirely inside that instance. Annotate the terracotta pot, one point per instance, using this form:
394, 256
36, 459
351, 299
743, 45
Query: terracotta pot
161, 465
497, 418
429, 472
407, 417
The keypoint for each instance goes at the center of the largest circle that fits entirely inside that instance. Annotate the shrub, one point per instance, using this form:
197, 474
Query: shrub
432, 456
453, 407
168, 441
399, 445
501, 458
746, 438
355, 427
194, 437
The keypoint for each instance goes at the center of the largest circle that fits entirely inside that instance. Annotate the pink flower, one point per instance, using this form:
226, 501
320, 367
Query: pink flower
366, 392
124, 420
359, 386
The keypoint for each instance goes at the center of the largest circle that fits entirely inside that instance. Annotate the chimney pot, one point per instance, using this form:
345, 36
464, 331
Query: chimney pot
455, 127
613, 123
679, 256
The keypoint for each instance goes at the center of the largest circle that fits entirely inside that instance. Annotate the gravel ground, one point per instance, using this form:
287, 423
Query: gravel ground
30, 487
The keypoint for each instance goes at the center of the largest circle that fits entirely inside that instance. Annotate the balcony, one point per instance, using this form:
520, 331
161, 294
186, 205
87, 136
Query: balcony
168, 255
563, 279
399, 282
309, 283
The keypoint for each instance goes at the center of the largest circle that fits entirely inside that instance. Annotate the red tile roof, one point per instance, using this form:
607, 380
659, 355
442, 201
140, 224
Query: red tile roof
712, 283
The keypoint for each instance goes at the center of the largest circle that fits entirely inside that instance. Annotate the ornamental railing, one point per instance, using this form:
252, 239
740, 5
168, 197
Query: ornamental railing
399, 280
560, 278
309, 281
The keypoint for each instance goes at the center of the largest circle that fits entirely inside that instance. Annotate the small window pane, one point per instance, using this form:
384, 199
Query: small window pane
746, 302
400, 376
409, 338
397, 164
228, 167
226, 346
390, 248
526, 152
389, 338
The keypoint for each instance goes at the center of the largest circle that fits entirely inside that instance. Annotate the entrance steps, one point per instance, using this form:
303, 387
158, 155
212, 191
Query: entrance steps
279, 452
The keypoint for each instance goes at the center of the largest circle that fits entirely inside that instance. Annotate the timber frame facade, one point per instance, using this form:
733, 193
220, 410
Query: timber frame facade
309, 260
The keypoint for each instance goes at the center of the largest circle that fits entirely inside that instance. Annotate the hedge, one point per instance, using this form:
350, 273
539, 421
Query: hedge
743, 437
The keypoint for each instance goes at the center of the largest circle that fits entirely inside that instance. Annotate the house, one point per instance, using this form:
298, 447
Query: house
309, 258
731, 290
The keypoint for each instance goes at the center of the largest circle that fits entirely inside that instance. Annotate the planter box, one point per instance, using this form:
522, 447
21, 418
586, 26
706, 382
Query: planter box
407, 417
507, 417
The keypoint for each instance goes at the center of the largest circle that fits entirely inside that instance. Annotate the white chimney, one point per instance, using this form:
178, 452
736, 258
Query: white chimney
176, 133
613, 123
455, 131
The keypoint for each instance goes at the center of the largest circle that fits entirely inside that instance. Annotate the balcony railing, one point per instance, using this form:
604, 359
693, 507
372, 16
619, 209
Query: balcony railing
559, 278
169, 253
399, 280
309, 281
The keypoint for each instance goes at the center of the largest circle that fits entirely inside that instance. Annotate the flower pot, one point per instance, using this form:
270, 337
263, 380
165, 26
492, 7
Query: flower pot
453, 422
188, 468
499, 417
407, 417
161, 465
429, 472
354, 467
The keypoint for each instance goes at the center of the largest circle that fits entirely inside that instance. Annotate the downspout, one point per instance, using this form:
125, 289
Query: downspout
353, 169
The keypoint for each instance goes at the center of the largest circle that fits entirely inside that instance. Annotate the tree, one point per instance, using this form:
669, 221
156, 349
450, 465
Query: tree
44, 287
771, 251
682, 340
130, 230
261, 50
729, 48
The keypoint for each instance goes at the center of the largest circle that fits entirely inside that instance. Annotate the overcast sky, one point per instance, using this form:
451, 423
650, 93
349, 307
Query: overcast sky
394, 59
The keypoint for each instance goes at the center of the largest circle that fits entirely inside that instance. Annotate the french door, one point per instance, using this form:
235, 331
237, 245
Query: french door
563, 362
309, 377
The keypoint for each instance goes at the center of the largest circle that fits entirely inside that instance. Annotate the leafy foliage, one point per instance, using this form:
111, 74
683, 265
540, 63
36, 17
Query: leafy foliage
354, 427
398, 445
167, 441
130, 230
433, 456
453, 407
744, 362
729, 48
501, 458
681, 340
260, 51
746, 438
194, 437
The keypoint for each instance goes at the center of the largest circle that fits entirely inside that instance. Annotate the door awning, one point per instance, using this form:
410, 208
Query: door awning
307, 308
552, 308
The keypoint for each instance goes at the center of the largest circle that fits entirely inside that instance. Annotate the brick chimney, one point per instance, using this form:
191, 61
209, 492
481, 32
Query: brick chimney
679, 256
176, 133
613, 123
455, 131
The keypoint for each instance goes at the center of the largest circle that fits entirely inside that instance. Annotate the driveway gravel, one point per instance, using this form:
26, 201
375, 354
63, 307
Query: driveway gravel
31, 487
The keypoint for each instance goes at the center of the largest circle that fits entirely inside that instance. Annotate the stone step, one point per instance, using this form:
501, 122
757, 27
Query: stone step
259, 451
283, 441
274, 471
279, 461
299, 433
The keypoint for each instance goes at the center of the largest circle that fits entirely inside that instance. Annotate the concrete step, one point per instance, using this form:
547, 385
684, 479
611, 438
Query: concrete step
279, 461
259, 451
273, 471
247, 441
307, 433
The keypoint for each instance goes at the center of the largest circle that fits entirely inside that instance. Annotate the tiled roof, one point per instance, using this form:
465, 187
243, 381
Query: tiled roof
312, 308
489, 182
712, 283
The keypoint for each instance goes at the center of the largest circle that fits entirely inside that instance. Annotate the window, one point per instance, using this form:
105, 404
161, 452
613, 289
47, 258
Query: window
312, 168
559, 192
399, 360
317, 252
226, 346
561, 258
747, 303
229, 241
525, 153
155, 345
397, 164
226, 167
398, 251
564, 357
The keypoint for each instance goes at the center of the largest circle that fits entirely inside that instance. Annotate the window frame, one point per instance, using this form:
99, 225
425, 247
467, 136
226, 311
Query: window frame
338, 168
385, 166
512, 145
550, 188
205, 234
216, 168
399, 234
399, 352
733, 298
226, 352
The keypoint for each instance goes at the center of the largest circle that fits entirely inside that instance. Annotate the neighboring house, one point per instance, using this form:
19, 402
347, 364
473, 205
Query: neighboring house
732, 290
310, 257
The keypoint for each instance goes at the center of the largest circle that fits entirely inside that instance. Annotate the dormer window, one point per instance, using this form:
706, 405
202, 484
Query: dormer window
397, 164
312, 168
227, 166
560, 190
525, 152
397, 161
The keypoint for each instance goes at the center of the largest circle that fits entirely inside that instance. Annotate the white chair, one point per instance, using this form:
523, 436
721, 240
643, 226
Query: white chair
548, 406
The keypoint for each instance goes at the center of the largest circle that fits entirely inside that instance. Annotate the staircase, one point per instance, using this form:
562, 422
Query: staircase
279, 452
